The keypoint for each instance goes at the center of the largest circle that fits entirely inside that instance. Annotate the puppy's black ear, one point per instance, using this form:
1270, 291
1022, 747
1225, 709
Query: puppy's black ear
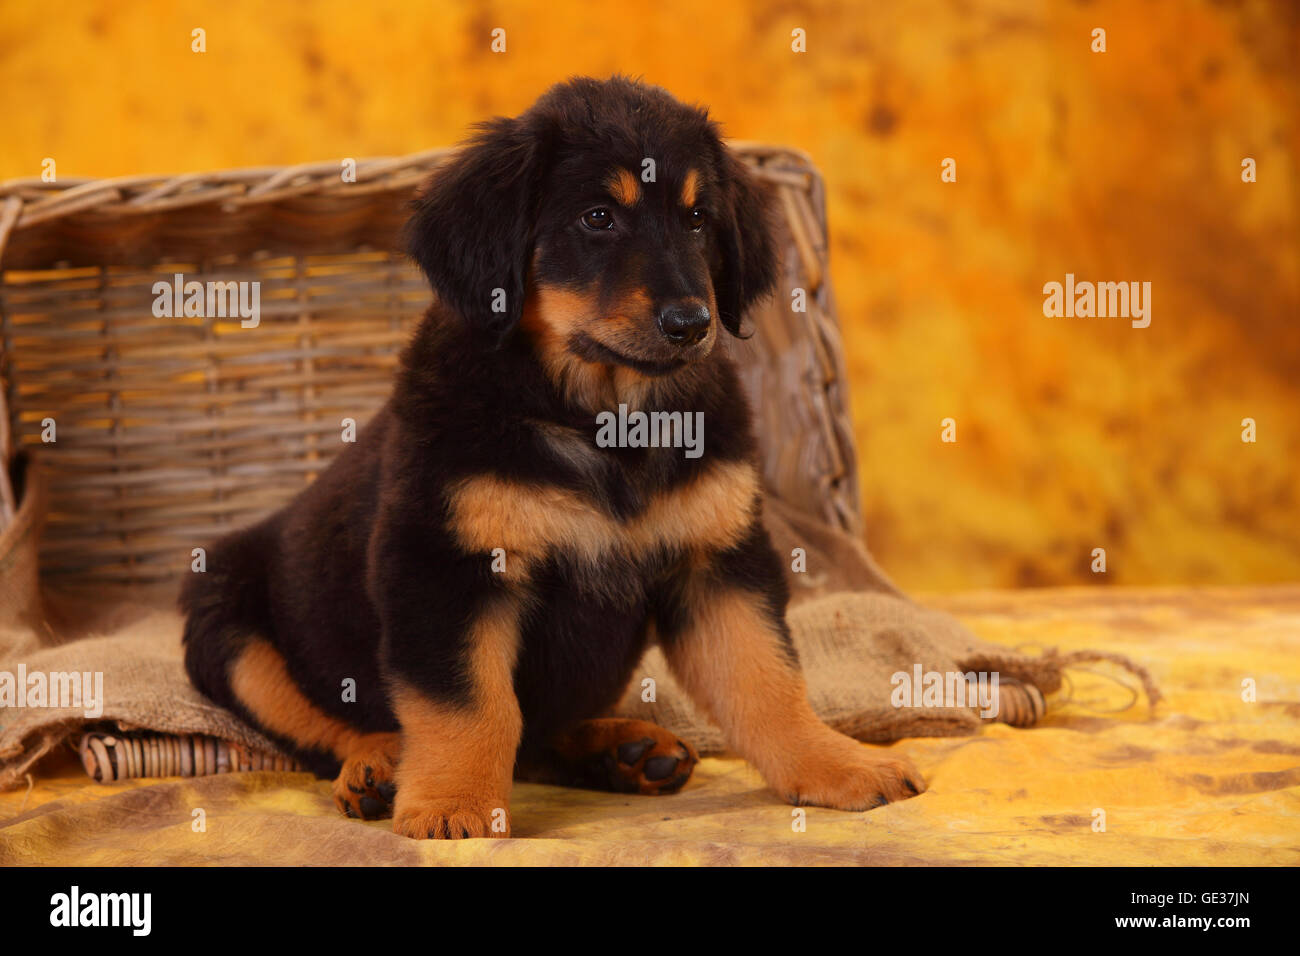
473, 227
747, 271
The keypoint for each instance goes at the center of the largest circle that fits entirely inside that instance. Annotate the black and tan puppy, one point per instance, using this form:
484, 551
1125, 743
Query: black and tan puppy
484, 569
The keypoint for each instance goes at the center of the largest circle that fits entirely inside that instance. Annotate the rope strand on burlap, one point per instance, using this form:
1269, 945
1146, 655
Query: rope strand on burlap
1137, 670
1047, 671
1089, 706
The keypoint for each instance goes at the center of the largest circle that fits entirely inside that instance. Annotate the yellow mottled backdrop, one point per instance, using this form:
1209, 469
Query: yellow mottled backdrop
1072, 433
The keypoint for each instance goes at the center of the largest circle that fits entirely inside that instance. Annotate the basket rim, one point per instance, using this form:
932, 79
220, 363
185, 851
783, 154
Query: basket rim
30, 201
374, 163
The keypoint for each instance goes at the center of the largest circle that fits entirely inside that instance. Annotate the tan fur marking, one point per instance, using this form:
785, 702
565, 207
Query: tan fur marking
743, 651
260, 679
632, 313
456, 764
624, 187
731, 663
690, 186
710, 513
551, 315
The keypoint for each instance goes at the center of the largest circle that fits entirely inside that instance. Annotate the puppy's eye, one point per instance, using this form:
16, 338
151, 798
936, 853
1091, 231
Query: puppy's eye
598, 219
697, 219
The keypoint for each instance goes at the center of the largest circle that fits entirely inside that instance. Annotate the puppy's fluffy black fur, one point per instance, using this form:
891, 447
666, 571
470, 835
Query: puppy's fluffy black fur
361, 576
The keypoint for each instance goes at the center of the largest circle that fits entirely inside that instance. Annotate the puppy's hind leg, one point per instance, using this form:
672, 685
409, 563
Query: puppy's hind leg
613, 753
261, 682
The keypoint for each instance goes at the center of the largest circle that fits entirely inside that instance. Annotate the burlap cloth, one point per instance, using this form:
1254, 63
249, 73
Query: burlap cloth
853, 630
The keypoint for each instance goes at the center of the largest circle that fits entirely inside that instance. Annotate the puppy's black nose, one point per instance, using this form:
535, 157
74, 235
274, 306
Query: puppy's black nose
684, 325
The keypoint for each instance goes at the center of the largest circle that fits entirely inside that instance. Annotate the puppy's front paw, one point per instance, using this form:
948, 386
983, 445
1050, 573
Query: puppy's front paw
450, 818
843, 774
364, 787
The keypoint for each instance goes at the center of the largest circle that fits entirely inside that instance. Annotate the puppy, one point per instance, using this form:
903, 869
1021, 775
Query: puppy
464, 593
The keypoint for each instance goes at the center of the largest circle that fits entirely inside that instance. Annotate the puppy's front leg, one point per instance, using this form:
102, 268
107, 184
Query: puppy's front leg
458, 750
726, 642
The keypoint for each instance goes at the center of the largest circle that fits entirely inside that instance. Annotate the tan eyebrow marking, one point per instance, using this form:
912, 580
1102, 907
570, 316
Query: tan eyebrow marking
689, 187
623, 186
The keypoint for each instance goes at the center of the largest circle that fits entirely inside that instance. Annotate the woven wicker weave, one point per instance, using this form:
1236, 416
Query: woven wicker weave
171, 431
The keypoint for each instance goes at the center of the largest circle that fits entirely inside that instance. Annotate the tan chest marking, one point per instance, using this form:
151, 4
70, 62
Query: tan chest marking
710, 513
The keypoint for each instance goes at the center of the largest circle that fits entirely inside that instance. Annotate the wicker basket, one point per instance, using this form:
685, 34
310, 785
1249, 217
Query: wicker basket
171, 431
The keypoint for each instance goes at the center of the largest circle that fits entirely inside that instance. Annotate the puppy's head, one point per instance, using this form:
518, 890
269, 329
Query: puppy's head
609, 220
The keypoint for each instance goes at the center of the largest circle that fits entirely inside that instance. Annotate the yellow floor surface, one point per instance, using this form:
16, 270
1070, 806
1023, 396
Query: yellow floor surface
1213, 779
